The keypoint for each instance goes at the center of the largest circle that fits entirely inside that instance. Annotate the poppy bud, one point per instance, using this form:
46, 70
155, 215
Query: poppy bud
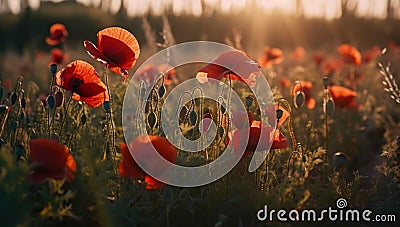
339, 159
53, 69
14, 125
59, 98
83, 119
152, 119
326, 81
183, 112
32, 133
299, 99
221, 131
249, 101
3, 109
19, 151
51, 101
13, 98
107, 105
329, 107
28, 120
2, 142
1, 92
279, 114
54, 136
161, 91
193, 117
23, 102
223, 109
142, 92
22, 116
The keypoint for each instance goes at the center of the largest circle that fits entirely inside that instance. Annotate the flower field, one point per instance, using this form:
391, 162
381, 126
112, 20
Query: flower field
332, 131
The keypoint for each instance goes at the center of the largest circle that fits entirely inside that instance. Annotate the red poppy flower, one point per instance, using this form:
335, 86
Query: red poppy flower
149, 72
318, 58
141, 147
343, 97
51, 160
371, 54
279, 141
82, 79
332, 65
169, 73
254, 138
285, 82
271, 115
239, 119
152, 183
233, 64
57, 56
58, 34
271, 56
255, 143
352, 78
128, 167
349, 54
298, 53
392, 46
117, 48
307, 88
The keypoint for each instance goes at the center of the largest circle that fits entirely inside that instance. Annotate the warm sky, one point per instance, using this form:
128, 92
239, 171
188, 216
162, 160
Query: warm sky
312, 8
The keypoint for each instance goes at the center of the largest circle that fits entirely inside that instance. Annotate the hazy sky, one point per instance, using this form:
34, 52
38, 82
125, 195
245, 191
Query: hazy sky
311, 8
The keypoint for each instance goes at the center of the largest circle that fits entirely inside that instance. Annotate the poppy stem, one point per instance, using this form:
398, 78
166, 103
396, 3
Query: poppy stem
326, 98
110, 119
65, 115
290, 126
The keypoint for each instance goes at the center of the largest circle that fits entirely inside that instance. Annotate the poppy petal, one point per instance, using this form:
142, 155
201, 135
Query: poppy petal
93, 52
49, 154
152, 183
119, 46
91, 89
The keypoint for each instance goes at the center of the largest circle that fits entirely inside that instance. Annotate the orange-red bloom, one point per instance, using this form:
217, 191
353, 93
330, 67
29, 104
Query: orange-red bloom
169, 73
255, 143
233, 64
58, 34
285, 82
271, 56
239, 119
51, 160
298, 53
57, 56
332, 65
307, 88
254, 133
343, 97
82, 79
350, 54
117, 48
141, 148
271, 117
371, 54
318, 58
149, 72
279, 140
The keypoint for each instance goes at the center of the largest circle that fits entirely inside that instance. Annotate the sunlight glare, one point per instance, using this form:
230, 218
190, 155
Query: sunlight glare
14, 6
34, 4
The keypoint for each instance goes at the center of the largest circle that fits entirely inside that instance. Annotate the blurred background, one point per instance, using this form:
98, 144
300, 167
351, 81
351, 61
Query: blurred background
317, 25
